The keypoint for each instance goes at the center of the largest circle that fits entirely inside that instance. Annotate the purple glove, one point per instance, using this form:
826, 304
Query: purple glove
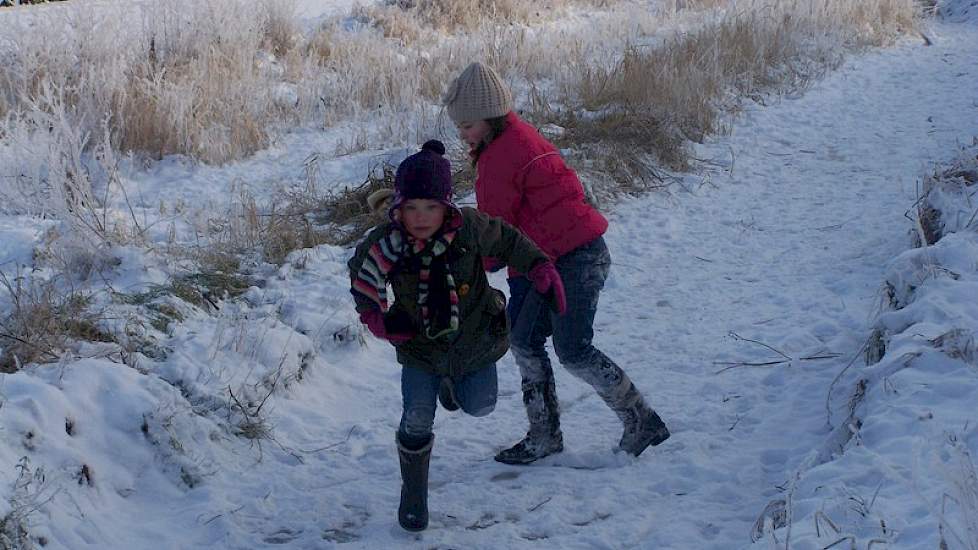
546, 279
491, 265
374, 320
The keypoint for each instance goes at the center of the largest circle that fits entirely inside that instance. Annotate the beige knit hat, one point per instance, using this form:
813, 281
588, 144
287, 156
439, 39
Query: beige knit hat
477, 94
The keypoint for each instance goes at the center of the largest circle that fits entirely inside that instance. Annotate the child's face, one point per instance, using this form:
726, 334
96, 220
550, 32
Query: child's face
473, 133
422, 217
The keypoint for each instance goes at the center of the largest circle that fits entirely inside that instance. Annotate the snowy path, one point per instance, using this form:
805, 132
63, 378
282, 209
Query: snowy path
785, 246
787, 250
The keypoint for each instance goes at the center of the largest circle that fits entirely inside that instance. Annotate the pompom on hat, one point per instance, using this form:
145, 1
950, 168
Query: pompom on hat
477, 94
426, 174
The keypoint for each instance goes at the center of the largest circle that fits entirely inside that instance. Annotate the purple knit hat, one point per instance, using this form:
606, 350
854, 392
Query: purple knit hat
424, 175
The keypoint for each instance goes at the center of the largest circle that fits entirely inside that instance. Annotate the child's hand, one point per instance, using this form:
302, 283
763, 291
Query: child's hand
546, 279
374, 320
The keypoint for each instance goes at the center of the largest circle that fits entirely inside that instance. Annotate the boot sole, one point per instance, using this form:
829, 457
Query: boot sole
517, 462
524, 462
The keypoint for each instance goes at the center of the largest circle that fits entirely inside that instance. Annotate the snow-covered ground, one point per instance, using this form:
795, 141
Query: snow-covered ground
774, 253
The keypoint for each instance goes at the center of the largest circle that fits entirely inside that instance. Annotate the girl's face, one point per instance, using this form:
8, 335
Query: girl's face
473, 133
422, 217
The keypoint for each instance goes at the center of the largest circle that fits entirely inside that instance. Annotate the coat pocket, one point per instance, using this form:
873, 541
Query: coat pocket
498, 325
496, 310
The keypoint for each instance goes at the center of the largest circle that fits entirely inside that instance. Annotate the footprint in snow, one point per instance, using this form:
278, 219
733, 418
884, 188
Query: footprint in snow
348, 530
505, 476
282, 536
587, 460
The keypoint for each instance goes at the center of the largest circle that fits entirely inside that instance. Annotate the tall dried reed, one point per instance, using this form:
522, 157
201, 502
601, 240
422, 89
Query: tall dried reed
657, 98
216, 80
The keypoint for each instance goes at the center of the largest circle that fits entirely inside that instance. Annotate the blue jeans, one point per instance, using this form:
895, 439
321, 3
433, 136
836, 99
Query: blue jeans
475, 393
583, 272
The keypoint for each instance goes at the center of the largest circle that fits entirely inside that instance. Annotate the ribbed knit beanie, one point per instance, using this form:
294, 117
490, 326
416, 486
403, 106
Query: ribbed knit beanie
477, 94
424, 175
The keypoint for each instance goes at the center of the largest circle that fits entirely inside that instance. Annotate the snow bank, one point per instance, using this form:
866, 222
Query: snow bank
907, 476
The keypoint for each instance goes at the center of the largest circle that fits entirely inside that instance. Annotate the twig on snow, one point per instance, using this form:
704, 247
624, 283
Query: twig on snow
816, 357
730, 429
332, 445
828, 398
222, 513
850, 538
537, 507
735, 365
736, 336
787, 359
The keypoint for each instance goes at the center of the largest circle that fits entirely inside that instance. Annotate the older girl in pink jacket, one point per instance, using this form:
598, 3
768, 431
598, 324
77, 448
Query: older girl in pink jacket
523, 180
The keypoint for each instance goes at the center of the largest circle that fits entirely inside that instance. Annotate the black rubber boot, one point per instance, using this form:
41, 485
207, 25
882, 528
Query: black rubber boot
412, 513
544, 437
446, 395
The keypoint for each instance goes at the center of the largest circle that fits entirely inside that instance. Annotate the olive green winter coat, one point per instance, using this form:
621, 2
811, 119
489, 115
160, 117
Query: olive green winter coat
483, 335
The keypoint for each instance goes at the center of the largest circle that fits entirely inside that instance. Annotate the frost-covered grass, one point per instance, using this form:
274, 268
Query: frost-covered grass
627, 88
219, 80
905, 471
657, 98
89, 94
411, 19
240, 405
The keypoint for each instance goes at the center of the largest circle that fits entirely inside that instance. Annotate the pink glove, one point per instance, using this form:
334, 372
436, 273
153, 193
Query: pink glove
546, 279
374, 320
491, 265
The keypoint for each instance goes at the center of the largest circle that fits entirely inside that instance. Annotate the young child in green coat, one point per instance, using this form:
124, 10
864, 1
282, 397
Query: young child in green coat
447, 324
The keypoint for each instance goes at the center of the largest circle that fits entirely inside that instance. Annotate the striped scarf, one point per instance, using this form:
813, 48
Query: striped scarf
396, 245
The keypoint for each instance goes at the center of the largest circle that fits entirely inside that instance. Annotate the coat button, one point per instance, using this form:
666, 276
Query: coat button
463, 290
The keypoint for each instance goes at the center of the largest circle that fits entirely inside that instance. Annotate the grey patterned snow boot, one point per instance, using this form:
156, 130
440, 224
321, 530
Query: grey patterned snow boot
642, 426
544, 437
412, 513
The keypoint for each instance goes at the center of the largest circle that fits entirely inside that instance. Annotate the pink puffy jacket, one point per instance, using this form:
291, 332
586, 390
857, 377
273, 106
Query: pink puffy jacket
523, 179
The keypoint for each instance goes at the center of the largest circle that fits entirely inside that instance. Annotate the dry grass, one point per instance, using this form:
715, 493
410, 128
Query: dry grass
215, 80
30, 493
945, 206
665, 96
283, 224
43, 319
202, 94
626, 118
188, 79
347, 212
246, 231
206, 79
62, 173
410, 19
280, 32
9, 3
